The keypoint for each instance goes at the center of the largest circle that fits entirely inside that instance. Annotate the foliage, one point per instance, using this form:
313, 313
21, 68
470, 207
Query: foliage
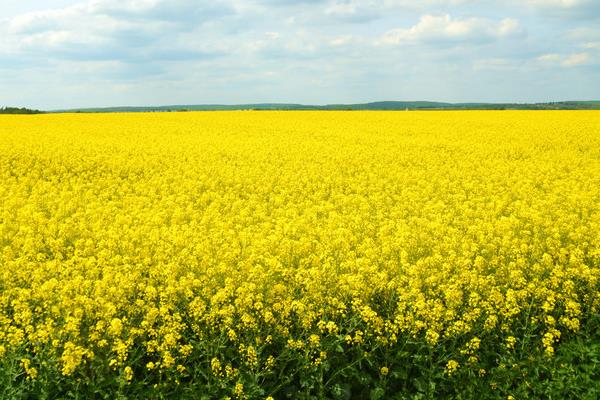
16, 110
301, 255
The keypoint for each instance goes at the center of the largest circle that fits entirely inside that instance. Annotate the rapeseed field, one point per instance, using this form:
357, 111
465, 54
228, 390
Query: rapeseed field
266, 255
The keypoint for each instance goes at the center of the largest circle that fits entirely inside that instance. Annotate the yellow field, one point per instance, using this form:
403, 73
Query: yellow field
151, 244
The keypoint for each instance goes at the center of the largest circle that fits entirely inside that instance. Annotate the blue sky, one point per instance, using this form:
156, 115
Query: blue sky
74, 53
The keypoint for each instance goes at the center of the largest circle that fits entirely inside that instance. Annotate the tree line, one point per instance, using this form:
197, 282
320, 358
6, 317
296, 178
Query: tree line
16, 110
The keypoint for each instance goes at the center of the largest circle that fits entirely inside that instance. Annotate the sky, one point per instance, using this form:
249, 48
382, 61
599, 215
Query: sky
91, 53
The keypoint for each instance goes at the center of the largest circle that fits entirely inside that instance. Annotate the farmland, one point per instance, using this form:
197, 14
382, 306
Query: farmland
300, 254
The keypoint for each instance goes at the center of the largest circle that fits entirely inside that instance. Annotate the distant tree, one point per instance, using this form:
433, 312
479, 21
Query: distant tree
16, 110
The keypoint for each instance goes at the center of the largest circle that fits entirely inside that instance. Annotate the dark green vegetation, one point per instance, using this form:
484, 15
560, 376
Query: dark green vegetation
380, 105
16, 110
416, 371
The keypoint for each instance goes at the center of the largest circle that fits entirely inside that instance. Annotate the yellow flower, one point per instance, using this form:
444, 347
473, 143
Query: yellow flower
215, 366
452, 366
116, 327
314, 340
510, 342
72, 357
30, 371
239, 390
152, 236
128, 373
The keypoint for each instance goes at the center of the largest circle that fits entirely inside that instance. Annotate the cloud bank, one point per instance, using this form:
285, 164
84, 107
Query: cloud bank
130, 52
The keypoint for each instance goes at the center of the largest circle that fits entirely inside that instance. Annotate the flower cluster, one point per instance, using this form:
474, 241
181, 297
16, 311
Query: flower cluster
162, 243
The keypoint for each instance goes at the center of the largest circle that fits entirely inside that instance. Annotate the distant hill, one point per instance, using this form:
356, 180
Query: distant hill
15, 110
379, 105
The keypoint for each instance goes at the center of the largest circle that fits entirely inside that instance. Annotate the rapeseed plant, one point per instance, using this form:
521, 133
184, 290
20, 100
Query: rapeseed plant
153, 246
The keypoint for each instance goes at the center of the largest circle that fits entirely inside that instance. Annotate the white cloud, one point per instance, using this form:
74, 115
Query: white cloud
579, 9
341, 41
509, 27
128, 30
352, 10
444, 28
182, 51
549, 58
559, 3
362, 11
427, 3
591, 45
272, 35
564, 60
494, 64
584, 32
576, 59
